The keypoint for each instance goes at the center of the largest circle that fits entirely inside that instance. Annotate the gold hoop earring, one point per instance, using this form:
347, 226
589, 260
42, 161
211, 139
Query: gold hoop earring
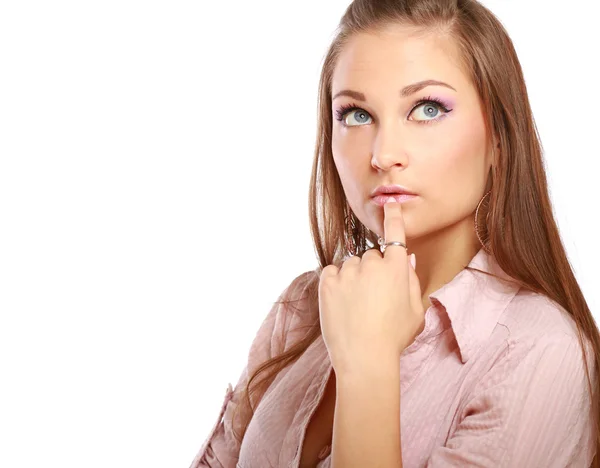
483, 237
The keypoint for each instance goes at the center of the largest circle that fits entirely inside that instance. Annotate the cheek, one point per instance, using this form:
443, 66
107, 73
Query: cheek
460, 147
352, 176
349, 172
348, 158
457, 165
459, 169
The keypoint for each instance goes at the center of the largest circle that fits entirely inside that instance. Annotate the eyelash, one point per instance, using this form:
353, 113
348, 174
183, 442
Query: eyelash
345, 109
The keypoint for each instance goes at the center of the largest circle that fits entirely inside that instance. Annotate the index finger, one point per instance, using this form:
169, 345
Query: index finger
393, 230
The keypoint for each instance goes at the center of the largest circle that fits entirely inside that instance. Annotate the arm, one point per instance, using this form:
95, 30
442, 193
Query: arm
366, 428
532, 409
221, 449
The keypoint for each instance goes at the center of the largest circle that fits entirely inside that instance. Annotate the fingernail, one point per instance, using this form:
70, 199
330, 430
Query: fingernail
413, 261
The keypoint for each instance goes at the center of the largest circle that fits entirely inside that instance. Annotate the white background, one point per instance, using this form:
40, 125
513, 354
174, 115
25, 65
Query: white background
154, 168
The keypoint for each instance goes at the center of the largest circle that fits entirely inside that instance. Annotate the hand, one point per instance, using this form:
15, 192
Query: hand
370, 307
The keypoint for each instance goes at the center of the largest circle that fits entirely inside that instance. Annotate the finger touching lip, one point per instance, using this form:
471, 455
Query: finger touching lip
393, 229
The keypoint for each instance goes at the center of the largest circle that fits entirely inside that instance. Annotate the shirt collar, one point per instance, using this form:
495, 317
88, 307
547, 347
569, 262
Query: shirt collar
474, 302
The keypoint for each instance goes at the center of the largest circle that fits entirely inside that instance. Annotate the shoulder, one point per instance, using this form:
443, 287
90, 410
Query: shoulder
535, 347
295, 312
534, 316
529, 400
288, 311
537, 327
299, 285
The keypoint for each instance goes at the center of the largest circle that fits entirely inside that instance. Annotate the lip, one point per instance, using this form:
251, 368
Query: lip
380, 200
391, 190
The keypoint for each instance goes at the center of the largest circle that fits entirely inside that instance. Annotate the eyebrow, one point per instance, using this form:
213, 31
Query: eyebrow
404, 92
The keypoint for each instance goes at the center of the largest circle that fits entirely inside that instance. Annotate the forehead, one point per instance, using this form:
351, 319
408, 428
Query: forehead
400, 55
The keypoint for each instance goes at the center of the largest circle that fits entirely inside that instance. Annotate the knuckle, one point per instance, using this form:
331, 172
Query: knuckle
351, 262
371, 253
328, 272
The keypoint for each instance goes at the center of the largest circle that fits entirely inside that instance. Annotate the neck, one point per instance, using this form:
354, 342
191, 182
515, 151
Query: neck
442, 255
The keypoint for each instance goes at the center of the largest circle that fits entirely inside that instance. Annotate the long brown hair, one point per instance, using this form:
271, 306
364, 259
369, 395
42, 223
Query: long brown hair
522, 234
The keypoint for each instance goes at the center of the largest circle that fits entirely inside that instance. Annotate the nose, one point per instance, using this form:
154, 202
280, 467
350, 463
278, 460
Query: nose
388, 148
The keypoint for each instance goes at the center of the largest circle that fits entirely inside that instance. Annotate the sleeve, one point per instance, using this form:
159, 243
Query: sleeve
221, 448
532, 409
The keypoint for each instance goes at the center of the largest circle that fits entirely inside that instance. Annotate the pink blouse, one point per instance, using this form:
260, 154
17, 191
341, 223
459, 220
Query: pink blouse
495, 379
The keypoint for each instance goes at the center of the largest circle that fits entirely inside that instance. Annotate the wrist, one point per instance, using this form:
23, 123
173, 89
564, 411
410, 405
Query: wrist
380, 369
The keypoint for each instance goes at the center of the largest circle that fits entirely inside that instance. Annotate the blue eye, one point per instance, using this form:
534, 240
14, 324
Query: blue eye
350, 110
430, 104
431, 110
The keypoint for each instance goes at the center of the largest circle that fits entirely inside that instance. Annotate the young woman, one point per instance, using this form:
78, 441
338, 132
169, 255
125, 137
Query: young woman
485, 354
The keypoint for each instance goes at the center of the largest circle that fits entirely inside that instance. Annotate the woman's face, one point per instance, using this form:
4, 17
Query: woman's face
438, 151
